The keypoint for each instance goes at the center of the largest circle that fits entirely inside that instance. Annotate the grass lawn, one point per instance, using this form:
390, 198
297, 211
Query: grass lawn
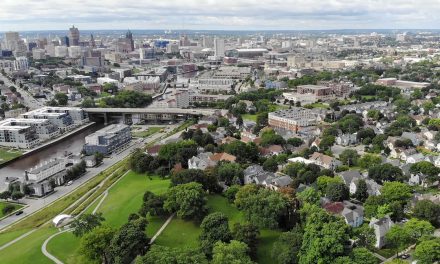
9, 236
7, 154
3, 204
123, 198
28, 250
180, 233
65, 247
147, 133
249, 117
319, 105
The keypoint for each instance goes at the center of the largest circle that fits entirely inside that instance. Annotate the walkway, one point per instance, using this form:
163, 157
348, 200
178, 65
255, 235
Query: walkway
44, 250
161, 229
17, 239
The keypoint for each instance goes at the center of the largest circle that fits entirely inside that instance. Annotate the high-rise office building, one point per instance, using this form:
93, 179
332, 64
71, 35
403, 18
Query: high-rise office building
219, 47
74, 36
129, 36
11, 40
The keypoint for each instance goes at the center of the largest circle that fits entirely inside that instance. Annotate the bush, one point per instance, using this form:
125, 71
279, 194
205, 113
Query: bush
9, 208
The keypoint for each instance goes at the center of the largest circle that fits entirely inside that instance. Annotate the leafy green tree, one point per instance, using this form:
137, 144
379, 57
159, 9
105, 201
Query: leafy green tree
61, 98
233, 253
369, 160
398, 237
337, 191
152, 205
271, 138
165, 255
261, 206
428, 251
85, 223
350, 123
385, 173
418, 228
208, 181
426, 168
325, 237
327, 142
296, 142
396, 191
365, 236
324, 181
215, 228
349, 157
247, 233
309, 195
227, 172
188, 200
231, 192
363, 256
427, 210
286, 249
129, 241
95, 244
361, 193
270, 164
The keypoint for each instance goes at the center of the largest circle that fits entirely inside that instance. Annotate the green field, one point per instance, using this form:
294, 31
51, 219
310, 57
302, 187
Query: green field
28, 250
249, 117
8, 154
146, 133
318, 105
124, 198
181, 233
3, 204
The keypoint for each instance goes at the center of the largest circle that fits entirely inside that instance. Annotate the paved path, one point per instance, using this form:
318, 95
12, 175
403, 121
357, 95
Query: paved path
382, 258
400, 253
44, 249
161, 229
17, 239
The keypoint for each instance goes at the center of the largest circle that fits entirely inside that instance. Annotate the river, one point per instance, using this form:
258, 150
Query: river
72, 144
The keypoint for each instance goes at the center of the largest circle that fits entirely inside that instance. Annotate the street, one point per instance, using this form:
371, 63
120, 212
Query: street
29, 101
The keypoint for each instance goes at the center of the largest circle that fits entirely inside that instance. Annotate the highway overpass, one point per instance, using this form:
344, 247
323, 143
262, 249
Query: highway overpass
134, 115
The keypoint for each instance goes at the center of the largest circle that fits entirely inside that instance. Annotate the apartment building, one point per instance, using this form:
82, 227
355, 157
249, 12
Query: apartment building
293, 119
108, 139
39, 178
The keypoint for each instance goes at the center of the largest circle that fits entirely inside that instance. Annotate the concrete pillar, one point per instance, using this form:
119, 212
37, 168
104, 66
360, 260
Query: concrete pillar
105, 119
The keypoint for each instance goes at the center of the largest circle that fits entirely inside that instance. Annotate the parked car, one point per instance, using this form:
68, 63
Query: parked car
69, 183
19, 212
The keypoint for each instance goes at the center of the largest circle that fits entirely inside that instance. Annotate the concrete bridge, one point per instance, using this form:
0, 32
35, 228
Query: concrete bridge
134, 115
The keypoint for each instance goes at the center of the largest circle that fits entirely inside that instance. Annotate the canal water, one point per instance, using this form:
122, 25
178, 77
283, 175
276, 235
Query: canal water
73, 145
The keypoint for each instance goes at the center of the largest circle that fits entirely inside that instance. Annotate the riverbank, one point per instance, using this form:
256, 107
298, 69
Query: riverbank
48, 144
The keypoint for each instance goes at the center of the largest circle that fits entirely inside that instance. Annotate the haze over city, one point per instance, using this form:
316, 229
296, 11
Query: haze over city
221, 15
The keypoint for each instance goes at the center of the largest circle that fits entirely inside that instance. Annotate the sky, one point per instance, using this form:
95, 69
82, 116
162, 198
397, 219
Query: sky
25, 15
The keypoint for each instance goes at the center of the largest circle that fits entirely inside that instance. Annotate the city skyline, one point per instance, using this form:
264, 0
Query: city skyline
230, 15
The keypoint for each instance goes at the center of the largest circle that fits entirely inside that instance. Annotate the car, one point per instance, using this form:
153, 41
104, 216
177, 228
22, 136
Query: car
69, 183
404, 256
19, 212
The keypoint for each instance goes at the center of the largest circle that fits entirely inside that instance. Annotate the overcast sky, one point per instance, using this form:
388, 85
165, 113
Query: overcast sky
219, 14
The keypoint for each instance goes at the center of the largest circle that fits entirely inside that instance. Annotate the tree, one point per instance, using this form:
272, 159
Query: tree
398, 237
271, 138
5, 195
95, 244
286, 249
129, 241
165, 255
349, 157
324, 239
425, 168
261, 206
309, 195
350, 123
337, 191
215, 228
85, 223
208, 181
231, 192
369, 160
270, 164
324, 181
227, 172
365, 236
152, 205
88, 103
327, 142
427, 210
418, 228
188, 200
385, 173
428, 251
7, 209
247, 233
363, 256
17, 195
233, 253
239, 121
296, 142
61, 98
396, 191
361, 193
99, 157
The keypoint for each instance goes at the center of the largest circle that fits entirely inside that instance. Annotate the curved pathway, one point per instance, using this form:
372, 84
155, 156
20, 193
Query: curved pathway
46, 253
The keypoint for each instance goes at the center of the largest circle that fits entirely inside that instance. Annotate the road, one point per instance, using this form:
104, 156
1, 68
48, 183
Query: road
29, 101
34, 205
